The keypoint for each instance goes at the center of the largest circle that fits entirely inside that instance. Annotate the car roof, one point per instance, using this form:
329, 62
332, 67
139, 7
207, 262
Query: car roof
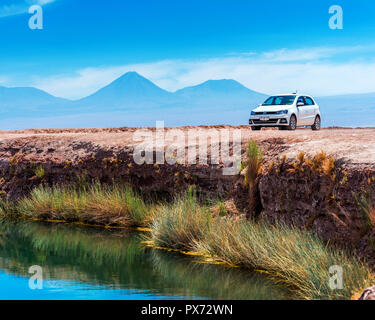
292, 94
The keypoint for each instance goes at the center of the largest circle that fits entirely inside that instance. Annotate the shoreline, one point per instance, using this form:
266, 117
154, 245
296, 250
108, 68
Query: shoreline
196, 228
308, 193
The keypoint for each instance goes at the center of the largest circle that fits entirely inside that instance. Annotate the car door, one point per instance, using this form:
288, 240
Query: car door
301, 114
309, 110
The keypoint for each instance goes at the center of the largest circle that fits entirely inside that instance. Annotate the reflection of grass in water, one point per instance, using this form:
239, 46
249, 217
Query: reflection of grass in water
216, 282
101, 247
101, 255
116, 258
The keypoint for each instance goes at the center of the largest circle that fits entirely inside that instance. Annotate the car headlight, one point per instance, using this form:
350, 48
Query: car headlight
282, 112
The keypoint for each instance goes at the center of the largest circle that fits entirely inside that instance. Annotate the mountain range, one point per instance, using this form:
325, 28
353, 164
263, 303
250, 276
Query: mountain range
133, 100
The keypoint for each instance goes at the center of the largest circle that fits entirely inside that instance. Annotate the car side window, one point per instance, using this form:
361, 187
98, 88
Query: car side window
300, 99
309, 101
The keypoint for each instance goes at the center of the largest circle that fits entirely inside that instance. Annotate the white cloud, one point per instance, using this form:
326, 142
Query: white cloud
285, 55
16, 7
311, 54
306, 70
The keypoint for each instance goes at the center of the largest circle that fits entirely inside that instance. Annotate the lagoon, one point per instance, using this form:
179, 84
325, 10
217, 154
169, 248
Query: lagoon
82, 263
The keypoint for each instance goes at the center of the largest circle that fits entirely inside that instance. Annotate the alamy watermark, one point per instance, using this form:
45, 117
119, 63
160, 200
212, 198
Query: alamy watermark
36, 280
336, 278
36, 20
336, 21
189, 146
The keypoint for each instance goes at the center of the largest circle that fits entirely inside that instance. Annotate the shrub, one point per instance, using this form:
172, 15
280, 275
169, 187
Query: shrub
254, 160
298, 259
39, 172
253, 164
366, 208
180, 224
97, 204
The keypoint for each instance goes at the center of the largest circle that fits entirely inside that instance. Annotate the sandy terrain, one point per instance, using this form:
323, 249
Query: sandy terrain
352, 145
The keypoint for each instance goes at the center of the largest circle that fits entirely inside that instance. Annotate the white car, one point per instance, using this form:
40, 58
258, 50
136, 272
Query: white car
287, 111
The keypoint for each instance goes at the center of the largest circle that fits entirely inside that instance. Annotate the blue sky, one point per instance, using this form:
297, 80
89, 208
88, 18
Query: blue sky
270, 46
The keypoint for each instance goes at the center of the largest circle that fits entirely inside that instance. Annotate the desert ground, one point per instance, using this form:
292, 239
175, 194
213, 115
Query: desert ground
355, 146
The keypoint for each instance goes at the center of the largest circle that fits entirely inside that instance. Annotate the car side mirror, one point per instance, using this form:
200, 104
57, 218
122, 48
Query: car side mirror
300, 104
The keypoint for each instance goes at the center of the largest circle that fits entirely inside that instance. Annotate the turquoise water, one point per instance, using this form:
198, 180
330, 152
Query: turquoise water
87, 263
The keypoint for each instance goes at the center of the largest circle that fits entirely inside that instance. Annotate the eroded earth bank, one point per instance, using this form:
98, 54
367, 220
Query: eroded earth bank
313, 180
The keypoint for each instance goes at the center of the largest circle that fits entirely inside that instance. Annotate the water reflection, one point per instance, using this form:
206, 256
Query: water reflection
114, 261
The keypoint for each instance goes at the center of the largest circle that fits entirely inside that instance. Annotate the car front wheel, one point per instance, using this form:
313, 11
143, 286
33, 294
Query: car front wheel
316, 125
256, 128
292, 123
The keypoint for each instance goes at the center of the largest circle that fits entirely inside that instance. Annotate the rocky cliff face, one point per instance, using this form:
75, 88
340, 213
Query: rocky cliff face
321, 197
21, 162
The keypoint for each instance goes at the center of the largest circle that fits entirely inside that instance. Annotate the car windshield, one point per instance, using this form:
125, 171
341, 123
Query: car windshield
279, 100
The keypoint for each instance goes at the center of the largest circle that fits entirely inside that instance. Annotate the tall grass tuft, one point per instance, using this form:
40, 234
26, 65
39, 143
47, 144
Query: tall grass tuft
253, 164
180, 224
40, 172
7, 208
367, 209
298, 259
99, 204
254, 160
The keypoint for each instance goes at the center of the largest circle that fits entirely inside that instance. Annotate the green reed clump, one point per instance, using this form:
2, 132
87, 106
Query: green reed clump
253, 165
97, 204
180, 224
7, 207
366, 208
297, 258
40, 172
